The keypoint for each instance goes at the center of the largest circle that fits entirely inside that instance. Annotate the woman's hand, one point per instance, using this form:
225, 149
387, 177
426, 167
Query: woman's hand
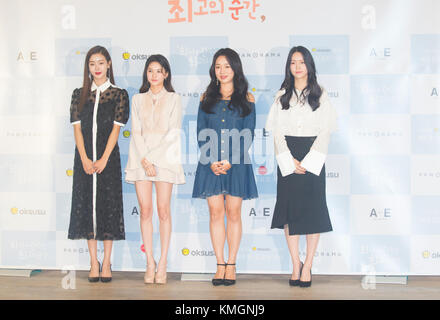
99, 165
88, 166
148, 167
220, 167
299, 169
217, 168
225, 166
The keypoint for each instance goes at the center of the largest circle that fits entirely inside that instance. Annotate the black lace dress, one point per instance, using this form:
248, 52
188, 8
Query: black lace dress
97, 210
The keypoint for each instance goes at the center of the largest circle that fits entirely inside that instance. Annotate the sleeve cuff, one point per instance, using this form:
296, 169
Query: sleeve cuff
119, 124
285, 163
314, 161
75, 122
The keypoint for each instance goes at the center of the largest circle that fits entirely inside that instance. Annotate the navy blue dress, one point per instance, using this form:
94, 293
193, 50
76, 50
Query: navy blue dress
225, 135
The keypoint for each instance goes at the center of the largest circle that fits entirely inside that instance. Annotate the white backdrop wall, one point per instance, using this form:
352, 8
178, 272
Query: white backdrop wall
378, 59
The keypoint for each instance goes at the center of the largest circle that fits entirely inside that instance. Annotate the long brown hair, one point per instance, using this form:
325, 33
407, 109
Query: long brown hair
312, 92
239, 96
165, 65
87, 82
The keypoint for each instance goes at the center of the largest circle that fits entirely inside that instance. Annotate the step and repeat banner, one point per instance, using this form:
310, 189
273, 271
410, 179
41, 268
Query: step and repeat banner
379, 60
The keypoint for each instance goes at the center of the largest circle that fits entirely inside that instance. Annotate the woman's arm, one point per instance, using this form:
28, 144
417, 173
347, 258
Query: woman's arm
168, 151
100, 164
121, 113
315, 158
79, 140
238, 153
138, 139
286, 162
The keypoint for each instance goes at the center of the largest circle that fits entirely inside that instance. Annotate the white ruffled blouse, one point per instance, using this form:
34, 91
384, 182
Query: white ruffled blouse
301, 121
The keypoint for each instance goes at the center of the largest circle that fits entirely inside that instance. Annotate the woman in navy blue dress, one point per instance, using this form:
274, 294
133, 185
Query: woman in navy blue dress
224, 176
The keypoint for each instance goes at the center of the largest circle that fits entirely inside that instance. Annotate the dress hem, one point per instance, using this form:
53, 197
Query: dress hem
134, 172
98, 239
204, 196
302, 233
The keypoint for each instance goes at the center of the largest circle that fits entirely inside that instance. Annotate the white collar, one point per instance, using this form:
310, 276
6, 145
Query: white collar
157, 95
102, 87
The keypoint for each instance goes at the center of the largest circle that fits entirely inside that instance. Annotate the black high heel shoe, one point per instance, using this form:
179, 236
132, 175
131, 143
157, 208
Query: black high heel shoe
306, 284
95, 279
219, 282
295, 283
229, 282
107, 279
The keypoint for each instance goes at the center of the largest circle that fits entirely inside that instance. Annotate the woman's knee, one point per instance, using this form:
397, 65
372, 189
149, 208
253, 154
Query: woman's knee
233, 215
146, 212
163, 211
217, 214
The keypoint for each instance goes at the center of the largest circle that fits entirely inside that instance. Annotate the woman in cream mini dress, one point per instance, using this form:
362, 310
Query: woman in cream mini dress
155, 158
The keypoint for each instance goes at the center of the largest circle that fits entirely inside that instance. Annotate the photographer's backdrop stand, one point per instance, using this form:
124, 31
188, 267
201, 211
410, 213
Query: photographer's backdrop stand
379, 61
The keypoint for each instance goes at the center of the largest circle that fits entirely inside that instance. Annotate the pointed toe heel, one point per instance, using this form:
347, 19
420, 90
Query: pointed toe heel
229, 282
149, 275
160, 279
95, 279
306, 284
161, 276
219, 282
107, 279
295, 283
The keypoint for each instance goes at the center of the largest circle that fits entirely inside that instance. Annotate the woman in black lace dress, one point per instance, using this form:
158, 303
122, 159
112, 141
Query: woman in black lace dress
97, 112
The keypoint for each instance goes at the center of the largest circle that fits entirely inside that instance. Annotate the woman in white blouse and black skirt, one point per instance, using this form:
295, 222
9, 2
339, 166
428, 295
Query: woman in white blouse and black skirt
301, 119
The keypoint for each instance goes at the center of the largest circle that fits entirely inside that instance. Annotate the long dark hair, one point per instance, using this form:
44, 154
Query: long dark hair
239, 97
87, 81
165, 65
312, 91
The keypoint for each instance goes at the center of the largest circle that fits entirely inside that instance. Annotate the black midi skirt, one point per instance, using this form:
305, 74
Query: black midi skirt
301, 200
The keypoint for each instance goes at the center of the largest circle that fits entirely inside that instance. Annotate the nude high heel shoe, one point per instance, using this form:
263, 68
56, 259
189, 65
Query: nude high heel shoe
149, 274
161, 276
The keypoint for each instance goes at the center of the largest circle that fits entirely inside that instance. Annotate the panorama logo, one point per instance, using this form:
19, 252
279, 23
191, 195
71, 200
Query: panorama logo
326, 253
379, 133
191, 173
259, 54
80, 250
429, 174
69, 172
195, 95
24, 134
